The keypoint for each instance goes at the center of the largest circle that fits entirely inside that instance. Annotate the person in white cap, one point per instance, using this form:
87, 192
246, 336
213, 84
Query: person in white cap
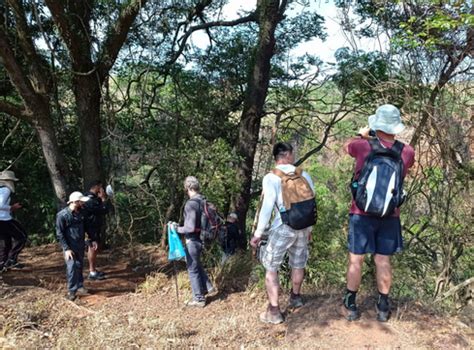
369, 234
11, 232
71, 235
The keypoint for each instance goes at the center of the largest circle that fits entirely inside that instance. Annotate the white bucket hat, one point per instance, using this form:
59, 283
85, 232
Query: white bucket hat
8, 175
77, 196
387, 119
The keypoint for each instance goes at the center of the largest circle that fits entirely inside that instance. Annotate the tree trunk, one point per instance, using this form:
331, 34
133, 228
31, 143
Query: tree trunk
258, 80
88, 94
53, 156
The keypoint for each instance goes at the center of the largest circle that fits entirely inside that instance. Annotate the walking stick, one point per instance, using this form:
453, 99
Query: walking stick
176, 251
175, 273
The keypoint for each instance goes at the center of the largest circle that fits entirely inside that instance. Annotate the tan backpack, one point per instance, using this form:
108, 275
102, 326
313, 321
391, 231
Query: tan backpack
298, 199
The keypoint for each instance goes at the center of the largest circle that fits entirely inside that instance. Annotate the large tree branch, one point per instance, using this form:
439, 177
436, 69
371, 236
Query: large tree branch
117, 36
74, 32
36, 64
16, 74
13, 110
183, 40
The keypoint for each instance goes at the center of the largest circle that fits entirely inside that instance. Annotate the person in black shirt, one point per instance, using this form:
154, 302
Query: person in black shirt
70, 234
95, 210
229, 245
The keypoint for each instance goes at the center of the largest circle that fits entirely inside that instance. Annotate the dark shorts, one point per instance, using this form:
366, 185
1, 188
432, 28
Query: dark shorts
89, 241
374, 235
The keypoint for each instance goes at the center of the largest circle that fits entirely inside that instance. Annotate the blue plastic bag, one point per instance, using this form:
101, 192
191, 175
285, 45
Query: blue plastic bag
176, 250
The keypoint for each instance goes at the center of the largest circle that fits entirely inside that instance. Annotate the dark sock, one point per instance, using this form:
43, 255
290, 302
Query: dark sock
294, 295
350, 299
273, 309
382, 302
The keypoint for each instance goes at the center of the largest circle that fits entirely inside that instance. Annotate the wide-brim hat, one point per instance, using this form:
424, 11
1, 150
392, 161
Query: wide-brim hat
77, 196
387, 119
8, 175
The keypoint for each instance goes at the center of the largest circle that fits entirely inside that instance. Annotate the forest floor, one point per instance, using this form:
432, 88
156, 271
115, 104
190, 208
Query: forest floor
136, 307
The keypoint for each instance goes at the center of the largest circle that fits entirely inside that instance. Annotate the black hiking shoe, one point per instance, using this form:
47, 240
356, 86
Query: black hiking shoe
296, 301
350, 313
71, 296
96, 276
382, 316
13, 264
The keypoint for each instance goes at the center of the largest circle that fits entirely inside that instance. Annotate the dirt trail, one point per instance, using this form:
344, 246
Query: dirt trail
34, 313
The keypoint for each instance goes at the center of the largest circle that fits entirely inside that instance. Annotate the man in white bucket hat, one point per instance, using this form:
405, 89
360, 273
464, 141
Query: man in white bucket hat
368, 233
71, 235
11, 232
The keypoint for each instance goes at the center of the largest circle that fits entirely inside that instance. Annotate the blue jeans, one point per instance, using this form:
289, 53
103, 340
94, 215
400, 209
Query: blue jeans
200, 283
74, 277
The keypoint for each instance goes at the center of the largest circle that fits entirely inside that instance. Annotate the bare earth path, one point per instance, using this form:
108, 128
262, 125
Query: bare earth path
34, 313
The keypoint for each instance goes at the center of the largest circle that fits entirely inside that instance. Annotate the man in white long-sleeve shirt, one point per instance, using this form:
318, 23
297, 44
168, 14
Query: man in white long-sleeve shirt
282, 238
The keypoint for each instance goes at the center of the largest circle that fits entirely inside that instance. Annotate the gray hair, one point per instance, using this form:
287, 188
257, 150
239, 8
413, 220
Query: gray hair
191, 183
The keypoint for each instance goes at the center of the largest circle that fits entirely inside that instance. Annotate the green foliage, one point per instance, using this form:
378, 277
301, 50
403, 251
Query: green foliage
361, 74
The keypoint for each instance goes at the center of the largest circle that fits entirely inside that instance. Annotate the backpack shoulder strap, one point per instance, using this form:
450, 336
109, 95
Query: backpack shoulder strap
279, 173
375, 144
398, 147
299, 171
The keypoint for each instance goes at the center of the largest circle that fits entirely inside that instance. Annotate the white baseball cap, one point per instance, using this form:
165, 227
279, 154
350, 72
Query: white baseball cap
77, 196
387, 119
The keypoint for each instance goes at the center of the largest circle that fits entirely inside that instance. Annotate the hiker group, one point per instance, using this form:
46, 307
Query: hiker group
285, 220
381, 164
82, 218
78, 229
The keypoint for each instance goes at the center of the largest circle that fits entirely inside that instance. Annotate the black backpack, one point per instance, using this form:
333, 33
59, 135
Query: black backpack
211, 224
378, 189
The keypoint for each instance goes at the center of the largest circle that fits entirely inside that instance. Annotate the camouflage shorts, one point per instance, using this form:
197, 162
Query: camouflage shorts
284, 239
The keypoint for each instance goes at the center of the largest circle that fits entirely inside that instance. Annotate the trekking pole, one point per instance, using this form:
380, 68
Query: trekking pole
175, 273
176, 252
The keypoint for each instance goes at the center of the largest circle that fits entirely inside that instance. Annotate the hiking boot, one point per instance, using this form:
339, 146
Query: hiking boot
71, 296
350, 313
196, 303
296, 301
269, 316
82, 291
382, 316
96, 275
13, 264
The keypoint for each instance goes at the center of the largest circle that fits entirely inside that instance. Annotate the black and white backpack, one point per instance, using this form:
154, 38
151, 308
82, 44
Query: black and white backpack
378, 188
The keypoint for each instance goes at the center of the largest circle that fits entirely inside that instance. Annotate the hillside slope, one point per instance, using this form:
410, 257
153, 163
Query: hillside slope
34, 313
